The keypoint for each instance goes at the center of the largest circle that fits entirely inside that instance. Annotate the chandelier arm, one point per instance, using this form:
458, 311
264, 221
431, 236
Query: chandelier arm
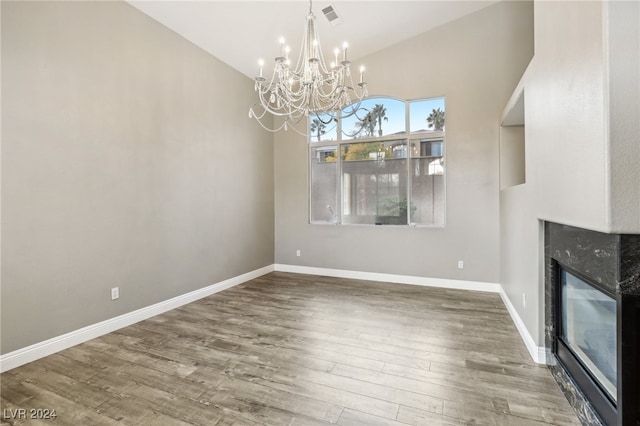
329, 94
280, 112
253, 114
355, 107
268, 129
284, 125
332, 119
311, 87
288, 93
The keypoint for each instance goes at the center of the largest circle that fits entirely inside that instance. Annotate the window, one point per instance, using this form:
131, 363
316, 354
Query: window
367, 169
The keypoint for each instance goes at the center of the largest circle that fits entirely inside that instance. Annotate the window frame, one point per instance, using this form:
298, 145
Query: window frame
407, 137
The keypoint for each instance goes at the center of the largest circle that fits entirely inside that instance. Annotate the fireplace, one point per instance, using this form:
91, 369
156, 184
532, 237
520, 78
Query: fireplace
592, 322
585, 341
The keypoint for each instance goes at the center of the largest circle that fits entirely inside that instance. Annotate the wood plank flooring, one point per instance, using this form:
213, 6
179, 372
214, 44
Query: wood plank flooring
288, 349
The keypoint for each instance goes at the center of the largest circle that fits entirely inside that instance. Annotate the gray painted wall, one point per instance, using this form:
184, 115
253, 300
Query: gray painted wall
582, 150
475, 62
564, 110
125, 163
623, 116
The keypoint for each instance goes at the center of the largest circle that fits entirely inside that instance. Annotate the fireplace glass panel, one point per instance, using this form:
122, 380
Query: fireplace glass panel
589, 329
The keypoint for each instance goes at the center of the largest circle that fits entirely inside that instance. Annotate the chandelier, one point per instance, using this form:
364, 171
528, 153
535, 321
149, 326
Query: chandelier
311, 87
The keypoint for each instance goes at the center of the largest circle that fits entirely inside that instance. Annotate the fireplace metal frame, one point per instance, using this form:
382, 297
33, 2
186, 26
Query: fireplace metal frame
605, 407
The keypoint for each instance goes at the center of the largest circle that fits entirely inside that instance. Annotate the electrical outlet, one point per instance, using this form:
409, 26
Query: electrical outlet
298, 253
460, 264
524, 300
115, 293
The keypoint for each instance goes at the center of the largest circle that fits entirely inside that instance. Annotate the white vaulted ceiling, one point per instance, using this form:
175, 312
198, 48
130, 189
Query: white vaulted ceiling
241, 32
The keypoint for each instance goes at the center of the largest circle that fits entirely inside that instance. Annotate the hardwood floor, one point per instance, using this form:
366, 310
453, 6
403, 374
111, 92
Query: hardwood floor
287, 349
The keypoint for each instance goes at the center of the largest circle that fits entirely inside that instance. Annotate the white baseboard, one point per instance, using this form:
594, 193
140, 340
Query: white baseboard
39, 350
538, 353
392, 278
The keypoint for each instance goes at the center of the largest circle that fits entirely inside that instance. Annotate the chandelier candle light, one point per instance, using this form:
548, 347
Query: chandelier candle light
311, 87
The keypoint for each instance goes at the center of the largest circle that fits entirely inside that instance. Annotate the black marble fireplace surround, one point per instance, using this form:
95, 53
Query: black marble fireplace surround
612, 261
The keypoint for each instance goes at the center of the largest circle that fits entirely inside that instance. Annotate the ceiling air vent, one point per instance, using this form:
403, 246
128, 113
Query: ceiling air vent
332, 15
